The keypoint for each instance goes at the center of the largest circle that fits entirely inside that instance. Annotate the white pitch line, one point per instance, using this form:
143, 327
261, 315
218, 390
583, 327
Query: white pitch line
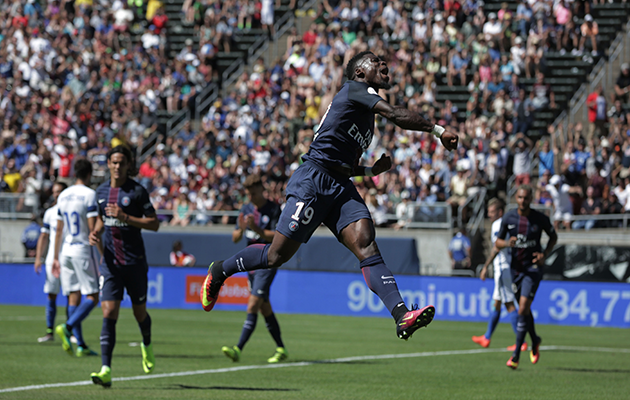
307, 363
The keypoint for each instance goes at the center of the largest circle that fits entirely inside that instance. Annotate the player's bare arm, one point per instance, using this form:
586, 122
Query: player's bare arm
381, 165
484, 269
502, 243
410, 120
42, 242
539, 258
149, 222
56, 267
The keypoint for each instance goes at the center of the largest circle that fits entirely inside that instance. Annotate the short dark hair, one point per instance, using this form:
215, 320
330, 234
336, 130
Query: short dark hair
352, 64
124, 150
252, 180
177, 245
496, 202
82, 168
63, 185
526, 188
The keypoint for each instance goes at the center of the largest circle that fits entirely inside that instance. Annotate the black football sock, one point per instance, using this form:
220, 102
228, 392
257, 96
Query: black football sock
381, 281
145, 329
248, 328
521, 331
249, 259
532, 328
274, 329
108, 340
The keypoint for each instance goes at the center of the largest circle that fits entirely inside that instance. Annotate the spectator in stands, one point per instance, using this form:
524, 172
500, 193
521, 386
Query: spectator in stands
590, 206
611, 205
597, 115
182, 208
459, 189
30, 237
563, 207
546, 158
179, 258
267, 17
524, 15
459, 251
12, 176
589, 30
622, 85
522, 147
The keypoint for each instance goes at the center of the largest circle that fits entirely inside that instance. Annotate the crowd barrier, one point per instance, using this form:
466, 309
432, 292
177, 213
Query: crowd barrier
346, 294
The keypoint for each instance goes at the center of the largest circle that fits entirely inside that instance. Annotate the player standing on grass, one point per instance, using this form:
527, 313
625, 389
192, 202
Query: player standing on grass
47, 238
257, 222
320, 191
502, 293
124, 210
76, 211
525, 227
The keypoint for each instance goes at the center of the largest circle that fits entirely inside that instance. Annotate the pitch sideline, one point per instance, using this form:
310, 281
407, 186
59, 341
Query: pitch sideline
307, 363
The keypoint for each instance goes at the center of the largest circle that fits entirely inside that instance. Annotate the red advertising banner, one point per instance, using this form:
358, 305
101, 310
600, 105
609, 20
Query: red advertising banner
234, 291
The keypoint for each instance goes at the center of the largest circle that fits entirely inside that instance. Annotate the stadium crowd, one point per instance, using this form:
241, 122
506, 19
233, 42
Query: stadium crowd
75, 81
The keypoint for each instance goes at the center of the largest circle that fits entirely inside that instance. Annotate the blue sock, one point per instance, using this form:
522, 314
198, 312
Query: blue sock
108, 340
69, 311
521, 331
381, 281
79, 314
145, 330
51, 313
274, 329
514, 320
249, 259
248, 328
77, 331
492, 324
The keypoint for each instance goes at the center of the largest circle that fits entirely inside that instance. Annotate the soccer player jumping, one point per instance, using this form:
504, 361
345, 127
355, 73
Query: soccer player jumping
525, 227
320, 191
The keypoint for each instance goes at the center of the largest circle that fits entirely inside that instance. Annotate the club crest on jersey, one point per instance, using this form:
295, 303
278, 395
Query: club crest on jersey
371, 90
265, 219
293, 226
125, 201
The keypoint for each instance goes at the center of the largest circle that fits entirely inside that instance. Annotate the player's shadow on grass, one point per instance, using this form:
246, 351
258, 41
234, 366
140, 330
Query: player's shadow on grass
249, 389
597, 371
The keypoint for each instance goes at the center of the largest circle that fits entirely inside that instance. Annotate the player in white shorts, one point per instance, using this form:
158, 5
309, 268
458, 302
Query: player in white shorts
502, 293
47, 238
77, 212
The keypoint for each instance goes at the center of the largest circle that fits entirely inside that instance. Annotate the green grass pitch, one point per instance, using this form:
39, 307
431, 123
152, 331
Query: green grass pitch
329, 358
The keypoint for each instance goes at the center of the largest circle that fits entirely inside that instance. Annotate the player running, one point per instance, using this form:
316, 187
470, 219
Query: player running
525, 227
320, 191
124, 210
47, 238
76, 211
502, 293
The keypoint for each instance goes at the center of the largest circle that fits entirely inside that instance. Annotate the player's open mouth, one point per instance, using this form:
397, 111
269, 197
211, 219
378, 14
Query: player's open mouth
384, 72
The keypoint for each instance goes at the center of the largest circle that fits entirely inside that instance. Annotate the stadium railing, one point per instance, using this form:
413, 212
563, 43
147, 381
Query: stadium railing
18, 206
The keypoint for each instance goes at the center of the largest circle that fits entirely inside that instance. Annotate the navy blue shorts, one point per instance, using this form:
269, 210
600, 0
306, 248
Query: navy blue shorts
525, 284
115, 279
315, 197
260, 282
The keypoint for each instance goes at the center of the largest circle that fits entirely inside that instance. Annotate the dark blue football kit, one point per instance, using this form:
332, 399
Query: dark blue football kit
125, 263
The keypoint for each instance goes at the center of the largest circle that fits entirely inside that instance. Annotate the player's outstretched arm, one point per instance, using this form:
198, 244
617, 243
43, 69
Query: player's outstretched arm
381, 165
410, 120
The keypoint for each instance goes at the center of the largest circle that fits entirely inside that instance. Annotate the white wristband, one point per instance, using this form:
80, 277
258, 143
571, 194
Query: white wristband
368, 171
438, 131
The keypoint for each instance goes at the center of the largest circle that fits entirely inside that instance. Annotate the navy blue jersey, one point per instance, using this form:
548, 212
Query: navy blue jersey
123, 243
265, 217
527, 231
347, 127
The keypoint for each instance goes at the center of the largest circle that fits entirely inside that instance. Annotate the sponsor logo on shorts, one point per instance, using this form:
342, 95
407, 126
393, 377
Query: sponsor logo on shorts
126, 201
293, 226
